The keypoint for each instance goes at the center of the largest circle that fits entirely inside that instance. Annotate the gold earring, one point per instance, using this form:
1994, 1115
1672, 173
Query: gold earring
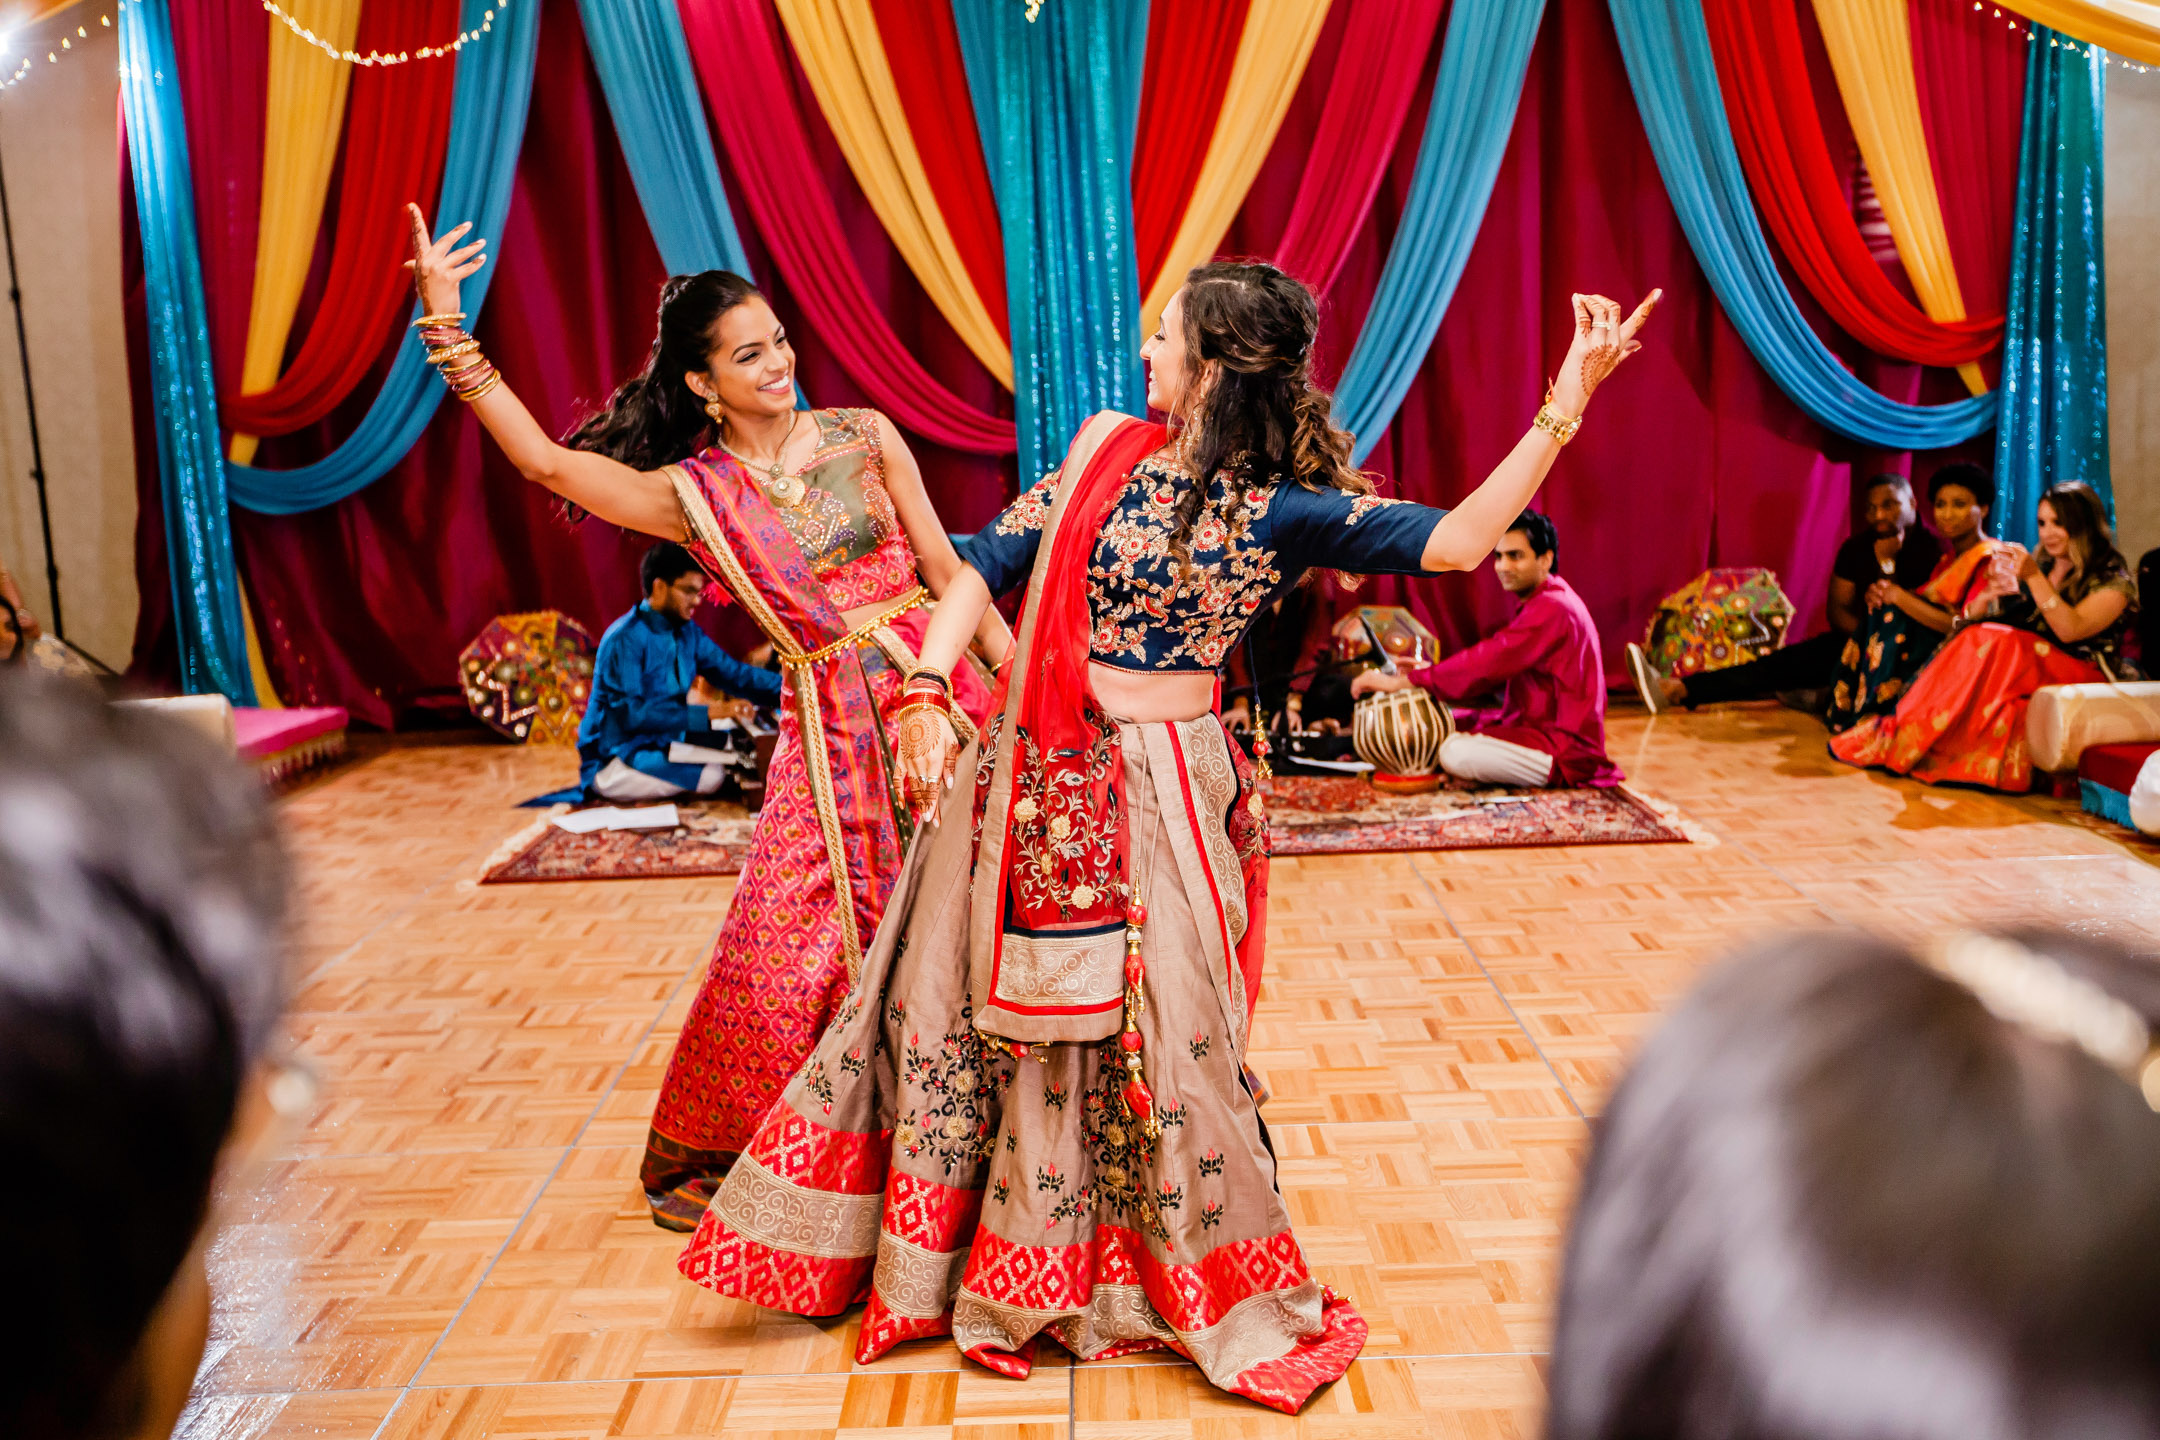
714, 409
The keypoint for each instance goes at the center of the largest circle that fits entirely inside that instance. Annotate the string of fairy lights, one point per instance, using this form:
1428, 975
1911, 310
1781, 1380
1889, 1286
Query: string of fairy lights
2062, 42
27, 65
377, 57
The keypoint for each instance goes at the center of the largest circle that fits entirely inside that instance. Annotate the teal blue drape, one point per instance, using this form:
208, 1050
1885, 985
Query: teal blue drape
1482, 62
2054, 379
208, 623
487, 129
1057, 99
1666, 47
643, 62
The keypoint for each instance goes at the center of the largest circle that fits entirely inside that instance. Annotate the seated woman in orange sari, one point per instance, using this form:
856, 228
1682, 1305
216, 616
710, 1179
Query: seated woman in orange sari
817, 524
1901, 628
2055, 616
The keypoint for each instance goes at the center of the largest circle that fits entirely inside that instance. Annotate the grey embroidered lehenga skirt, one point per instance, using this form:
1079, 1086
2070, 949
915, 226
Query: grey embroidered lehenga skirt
961, 1188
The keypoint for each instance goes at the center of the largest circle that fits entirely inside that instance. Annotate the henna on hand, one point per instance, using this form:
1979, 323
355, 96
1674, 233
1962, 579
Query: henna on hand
1603, 339
925, 748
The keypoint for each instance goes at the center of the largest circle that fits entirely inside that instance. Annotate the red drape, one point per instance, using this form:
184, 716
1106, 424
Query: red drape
1762, 70
396, 132
1368, 86
1971, 76
1191, 46
739, 52
1691, 456
223, 51
366, 603
922, 45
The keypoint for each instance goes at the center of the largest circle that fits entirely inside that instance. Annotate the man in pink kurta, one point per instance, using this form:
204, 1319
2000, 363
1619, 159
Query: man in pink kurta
1549, 727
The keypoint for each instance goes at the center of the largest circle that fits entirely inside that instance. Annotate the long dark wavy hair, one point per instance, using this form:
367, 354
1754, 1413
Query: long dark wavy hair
1261, 418
654, 418
2093, 556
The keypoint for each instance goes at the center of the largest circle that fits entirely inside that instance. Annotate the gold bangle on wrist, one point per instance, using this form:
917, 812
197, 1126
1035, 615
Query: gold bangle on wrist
447, 317
479, 391
1562, 428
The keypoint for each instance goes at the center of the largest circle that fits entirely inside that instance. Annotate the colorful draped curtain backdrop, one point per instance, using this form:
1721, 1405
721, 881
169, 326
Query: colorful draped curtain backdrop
1038, 188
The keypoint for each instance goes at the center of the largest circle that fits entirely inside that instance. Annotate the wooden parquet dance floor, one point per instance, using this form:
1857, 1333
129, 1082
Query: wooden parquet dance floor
455, 1246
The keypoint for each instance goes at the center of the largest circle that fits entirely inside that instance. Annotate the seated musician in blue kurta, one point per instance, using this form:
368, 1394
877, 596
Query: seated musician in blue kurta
646, 699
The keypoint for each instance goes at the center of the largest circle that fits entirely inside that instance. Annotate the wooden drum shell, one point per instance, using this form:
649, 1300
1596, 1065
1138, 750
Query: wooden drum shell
1400, 732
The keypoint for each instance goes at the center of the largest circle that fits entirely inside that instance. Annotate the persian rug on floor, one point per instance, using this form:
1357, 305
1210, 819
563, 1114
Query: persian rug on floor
1330, 815
1307, 815
711, 840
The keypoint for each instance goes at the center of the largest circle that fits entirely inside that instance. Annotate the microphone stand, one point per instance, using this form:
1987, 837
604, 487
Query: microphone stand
37, 448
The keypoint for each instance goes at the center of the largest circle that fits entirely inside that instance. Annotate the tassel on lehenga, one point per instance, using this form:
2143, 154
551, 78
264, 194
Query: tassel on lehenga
1139, 1100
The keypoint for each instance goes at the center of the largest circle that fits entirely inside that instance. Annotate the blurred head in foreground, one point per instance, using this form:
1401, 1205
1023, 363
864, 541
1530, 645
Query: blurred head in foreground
142, 893
1844, 1196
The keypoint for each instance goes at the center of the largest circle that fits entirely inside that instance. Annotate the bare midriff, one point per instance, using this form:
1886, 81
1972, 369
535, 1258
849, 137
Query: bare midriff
1130, 695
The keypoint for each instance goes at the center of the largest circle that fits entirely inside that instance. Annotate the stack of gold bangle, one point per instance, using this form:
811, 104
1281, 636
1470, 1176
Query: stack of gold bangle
456, 356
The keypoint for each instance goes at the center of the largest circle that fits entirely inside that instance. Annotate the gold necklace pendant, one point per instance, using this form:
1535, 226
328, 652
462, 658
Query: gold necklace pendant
781, 489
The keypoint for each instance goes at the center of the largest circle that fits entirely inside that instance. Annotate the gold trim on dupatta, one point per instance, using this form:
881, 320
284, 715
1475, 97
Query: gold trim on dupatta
817, 759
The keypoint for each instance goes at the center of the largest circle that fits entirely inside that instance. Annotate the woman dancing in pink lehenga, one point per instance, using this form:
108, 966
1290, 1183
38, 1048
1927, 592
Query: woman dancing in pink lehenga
817, 524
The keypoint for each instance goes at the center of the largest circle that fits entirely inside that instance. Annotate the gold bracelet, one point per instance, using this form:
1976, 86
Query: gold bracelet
1562, 428
486, 389
447, 317
451, 352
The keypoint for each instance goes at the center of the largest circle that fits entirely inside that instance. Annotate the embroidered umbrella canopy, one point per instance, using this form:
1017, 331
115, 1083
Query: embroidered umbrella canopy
528, 676
1720, 618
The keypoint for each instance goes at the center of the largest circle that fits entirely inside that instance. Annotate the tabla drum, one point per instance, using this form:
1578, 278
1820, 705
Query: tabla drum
1399, 733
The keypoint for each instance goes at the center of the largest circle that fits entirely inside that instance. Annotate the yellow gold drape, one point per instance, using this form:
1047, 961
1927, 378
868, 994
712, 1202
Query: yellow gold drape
1870, 45
838, 44
1278, 40
2128, 27
303, 122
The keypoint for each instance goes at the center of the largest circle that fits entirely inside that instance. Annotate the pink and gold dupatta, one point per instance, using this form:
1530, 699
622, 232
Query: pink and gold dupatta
740, 539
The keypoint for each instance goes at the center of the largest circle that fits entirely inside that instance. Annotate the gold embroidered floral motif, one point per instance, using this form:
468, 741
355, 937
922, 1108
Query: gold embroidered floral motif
1031, 510
948, 1080
1066, 850
1123, 1155
1365, 504
1137, 591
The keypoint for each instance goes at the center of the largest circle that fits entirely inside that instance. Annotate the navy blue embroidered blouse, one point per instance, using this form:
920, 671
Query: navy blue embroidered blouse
1144, 620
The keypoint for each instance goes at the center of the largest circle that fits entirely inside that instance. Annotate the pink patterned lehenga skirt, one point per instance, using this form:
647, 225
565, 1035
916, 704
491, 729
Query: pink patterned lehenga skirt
961, 1189
778, 970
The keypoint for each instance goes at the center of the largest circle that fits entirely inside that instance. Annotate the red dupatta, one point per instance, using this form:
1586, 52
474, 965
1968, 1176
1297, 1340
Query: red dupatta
1048, 936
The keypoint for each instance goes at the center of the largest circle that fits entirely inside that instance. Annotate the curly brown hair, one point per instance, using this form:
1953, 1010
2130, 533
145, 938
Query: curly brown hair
1258, 416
